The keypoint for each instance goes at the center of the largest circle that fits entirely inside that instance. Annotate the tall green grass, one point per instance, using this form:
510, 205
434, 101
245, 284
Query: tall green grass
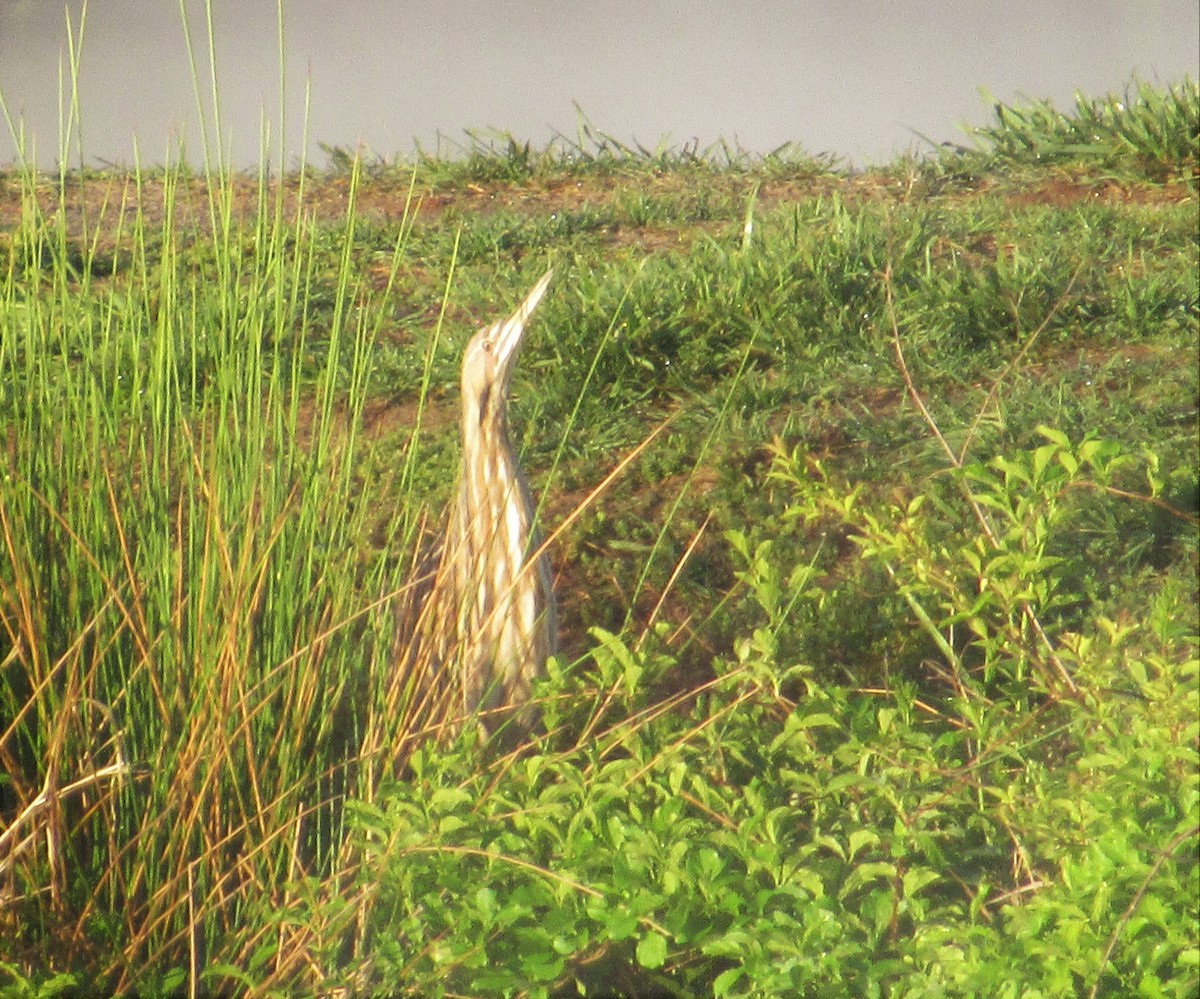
188, 656
180, 527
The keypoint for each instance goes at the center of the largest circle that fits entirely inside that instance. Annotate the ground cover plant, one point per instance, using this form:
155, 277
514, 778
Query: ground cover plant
875, 498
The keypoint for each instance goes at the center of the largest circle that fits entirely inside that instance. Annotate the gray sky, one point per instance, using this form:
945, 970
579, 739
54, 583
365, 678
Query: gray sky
857, 79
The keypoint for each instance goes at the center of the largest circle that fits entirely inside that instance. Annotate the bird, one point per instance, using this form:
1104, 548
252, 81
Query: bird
487, 613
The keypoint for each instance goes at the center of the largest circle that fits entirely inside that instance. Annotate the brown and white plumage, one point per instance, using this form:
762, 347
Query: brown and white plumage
489, 610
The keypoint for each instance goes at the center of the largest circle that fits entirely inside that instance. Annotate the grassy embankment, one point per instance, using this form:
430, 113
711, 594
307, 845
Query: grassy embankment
879, 671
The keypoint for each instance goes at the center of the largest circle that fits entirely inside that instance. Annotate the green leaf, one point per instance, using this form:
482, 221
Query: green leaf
726, 980
1041, 458
917, 878
816, 720
619, 925
652, 950
866, 874
860, 838
886, 717
543, 966
485, 903
1054, 435
233, 973
446, 799
171, 981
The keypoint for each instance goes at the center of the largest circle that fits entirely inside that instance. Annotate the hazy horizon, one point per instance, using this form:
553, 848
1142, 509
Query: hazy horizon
862, 84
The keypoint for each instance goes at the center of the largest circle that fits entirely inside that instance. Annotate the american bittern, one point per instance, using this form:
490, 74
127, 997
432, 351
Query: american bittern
489, 608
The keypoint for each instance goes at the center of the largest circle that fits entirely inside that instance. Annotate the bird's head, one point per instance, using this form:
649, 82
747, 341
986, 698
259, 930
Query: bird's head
490, 357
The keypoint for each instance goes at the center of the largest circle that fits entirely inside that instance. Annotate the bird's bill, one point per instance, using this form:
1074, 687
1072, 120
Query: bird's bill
511, 330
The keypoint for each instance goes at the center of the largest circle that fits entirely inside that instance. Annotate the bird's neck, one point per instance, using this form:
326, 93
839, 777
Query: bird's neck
487, 447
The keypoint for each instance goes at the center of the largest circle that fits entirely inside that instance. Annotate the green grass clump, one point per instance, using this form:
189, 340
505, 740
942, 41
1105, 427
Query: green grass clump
497, 158
1150, 131
879, 660
172, 584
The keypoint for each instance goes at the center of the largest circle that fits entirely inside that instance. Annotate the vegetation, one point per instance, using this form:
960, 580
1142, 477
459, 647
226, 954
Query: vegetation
880, 671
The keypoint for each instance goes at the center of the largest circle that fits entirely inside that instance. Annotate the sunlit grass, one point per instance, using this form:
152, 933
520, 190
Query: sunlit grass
171, 591
885, 620
1149, 131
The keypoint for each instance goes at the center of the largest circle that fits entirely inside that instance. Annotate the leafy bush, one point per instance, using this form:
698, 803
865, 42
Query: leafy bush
1023, 825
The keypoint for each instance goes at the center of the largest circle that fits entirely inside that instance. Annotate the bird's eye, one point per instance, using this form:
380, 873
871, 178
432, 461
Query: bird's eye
487, 346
